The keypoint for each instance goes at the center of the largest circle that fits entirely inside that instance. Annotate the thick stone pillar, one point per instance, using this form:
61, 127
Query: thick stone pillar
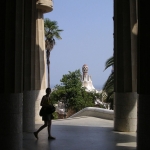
43, 6
41, 61
11, 64
143, 80
11, 121
125, 118
34, 63
29, 66
125, 105
133, 28
31, 108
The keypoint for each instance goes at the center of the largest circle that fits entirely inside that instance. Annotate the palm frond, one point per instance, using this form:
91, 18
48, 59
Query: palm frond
109, 82
108, 87
110, 96
52, 32
109, 62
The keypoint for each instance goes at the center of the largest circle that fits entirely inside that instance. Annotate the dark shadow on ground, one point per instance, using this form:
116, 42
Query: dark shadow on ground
71, 137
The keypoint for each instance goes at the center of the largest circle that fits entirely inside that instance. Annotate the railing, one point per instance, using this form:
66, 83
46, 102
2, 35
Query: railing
95, 112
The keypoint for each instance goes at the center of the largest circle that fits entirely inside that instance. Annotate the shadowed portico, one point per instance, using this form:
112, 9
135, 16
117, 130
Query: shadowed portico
81, 133
21, 80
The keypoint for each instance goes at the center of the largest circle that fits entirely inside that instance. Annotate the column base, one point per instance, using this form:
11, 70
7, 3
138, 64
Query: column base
125, 112
11, 121
31, 107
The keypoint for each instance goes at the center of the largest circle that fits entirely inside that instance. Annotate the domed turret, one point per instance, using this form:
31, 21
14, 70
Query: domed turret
85, 68
86, 79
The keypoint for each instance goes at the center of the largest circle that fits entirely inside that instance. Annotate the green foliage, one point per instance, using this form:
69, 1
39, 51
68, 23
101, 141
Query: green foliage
108, 88
55, 115
75, 95
58, 93
52, 32
109, 62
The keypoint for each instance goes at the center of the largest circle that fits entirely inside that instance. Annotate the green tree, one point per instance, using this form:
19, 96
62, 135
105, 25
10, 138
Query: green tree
71, 87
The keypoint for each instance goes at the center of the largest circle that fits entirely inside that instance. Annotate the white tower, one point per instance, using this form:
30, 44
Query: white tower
86, 79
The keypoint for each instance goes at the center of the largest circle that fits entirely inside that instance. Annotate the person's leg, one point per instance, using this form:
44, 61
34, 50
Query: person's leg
49, 130
42, 127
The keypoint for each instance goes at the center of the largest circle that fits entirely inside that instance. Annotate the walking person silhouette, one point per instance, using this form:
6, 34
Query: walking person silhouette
47, 118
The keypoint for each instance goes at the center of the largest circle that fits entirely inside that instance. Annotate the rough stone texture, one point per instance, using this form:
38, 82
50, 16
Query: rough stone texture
40, 53
11, 121
125, 112
31, 109
70, 112
44, 5
61, 116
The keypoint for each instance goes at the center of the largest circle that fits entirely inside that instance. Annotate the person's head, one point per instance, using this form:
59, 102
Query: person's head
48, 90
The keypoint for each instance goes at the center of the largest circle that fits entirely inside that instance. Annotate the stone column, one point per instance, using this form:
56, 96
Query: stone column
31, 108
34, 64
40, 68
43, 6
133, 27
125, 105
143, 80
29, 66
11, 64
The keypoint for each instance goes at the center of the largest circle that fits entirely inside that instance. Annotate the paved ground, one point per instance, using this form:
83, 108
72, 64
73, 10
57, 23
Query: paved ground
82, 133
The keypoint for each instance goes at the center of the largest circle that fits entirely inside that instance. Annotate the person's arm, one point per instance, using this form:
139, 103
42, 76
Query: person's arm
43, 103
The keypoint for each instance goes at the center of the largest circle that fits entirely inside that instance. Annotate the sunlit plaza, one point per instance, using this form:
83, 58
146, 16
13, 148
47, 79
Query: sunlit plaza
81, 133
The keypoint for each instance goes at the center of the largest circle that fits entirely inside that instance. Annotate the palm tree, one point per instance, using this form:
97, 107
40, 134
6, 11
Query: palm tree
52, 32
109, 62
108, 88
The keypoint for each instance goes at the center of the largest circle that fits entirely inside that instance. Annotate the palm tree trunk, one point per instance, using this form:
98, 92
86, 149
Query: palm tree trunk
48, 64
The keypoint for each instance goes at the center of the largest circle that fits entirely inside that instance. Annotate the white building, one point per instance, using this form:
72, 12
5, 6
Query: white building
87, 81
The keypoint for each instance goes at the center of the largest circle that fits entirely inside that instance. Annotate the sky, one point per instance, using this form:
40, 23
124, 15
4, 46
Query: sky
87, 38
